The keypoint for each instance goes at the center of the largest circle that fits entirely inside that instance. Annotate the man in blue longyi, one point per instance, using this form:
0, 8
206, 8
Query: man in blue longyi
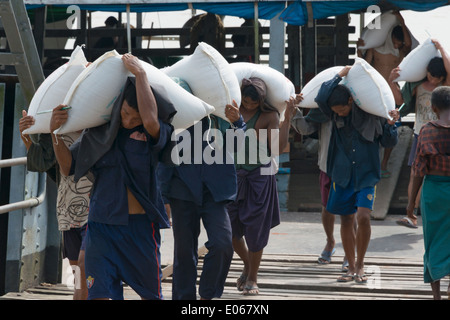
126, 208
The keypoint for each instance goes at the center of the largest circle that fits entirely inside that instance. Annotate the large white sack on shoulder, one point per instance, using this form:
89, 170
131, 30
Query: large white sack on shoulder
53, 90
190, 109
209, 76
94, 92
369, 89
279, 88
311, 89
414, 66
376, 36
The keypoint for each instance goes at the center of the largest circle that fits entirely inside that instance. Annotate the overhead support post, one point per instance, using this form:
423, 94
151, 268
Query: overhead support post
256, 31
22, 46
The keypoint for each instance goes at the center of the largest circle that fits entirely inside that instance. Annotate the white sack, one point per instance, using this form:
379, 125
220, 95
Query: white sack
209, 76
93, 93
190, 109
311, 89
369, 89
279, 88
96, 90
53, 90
376, 37
414, 66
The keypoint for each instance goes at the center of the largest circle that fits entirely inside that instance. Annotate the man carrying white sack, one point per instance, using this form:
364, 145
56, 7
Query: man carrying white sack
127, 210
416, 97
389, 55
353, 165
384, 59
72, 203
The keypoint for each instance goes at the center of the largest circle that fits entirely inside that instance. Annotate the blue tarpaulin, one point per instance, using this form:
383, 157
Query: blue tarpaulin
266, 9
296, 13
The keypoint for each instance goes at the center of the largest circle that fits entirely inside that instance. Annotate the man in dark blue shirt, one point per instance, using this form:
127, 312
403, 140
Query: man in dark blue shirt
199, 190
127, 211
354, 167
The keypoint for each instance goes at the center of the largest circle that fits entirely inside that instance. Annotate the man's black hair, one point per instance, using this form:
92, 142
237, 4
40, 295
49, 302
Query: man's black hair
436, 68
130, 96
440, 98
397, 33
251, 92
339, 96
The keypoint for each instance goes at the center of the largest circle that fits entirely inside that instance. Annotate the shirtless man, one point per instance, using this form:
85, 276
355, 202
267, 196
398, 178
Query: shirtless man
384, 59
391, 53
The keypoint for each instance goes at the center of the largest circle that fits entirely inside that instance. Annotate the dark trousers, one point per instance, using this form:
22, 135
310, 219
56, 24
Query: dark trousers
186, 217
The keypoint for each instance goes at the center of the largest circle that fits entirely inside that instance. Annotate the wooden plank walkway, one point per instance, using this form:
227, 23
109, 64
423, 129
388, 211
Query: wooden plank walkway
296, 277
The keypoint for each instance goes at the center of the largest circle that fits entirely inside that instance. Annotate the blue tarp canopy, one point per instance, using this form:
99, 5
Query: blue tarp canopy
243, 9
296, 13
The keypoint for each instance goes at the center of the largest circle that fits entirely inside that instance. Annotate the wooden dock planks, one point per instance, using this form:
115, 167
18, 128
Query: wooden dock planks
296, 277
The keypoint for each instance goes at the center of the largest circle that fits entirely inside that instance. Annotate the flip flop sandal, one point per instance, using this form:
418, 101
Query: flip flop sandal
407, 222
385, 174
344, 267
249, 288
240, 283
361, 279
325, 256
346, 278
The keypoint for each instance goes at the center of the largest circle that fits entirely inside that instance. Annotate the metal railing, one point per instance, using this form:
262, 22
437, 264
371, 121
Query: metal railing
28, 203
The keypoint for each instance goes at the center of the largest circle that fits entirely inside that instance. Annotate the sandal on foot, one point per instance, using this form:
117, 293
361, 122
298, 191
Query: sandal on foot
251, 290
344, 267
407, 222
360, 279
325, 256
385, 174
240, 283
346, 278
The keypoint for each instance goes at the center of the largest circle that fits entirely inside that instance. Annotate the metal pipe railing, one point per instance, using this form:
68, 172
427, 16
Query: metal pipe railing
28, 203
13, 162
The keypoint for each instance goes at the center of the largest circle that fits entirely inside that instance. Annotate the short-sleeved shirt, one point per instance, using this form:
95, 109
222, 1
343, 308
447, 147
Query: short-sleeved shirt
424, 113
433, 149
130, 163
72, 202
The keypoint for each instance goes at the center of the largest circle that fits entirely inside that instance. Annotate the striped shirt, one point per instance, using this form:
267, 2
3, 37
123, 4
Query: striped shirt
433, 149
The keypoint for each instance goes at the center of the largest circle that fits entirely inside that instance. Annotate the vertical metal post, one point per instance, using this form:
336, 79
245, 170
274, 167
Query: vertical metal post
256, 31
277, 44
128, 28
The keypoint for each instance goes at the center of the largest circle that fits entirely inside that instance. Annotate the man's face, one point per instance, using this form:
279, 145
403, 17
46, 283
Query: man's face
129, 116
342, 110
250, 104
434, 80
397, 43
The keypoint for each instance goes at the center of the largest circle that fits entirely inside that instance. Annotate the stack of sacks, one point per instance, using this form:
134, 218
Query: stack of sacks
209, 76
53, 90
369, 89
414, 66
311, 89
279, 88
94, 92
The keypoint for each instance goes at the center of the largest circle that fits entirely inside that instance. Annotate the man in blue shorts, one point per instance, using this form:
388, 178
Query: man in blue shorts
126, 208
354, 167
